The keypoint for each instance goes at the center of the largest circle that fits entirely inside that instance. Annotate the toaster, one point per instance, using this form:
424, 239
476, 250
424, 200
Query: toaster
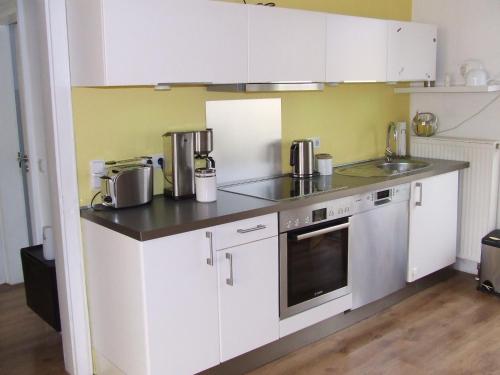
127, 185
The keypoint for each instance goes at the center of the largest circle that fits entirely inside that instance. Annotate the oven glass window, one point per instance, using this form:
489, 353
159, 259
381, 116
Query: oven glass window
316, 265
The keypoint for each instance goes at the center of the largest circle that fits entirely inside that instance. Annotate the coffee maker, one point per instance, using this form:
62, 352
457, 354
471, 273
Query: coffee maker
183, 151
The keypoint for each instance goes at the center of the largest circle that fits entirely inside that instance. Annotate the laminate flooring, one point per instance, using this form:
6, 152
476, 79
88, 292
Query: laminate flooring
449, 328
28, 346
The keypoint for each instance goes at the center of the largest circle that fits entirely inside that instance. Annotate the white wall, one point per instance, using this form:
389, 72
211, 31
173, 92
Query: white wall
467, 29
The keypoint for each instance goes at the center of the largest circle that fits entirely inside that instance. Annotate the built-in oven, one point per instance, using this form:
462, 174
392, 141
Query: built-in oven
314, 255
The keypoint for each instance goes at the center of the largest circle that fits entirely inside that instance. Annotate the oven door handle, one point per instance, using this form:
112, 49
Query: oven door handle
335, 228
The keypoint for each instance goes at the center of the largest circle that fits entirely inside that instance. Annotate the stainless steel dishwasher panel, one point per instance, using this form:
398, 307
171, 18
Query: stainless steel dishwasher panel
378, 243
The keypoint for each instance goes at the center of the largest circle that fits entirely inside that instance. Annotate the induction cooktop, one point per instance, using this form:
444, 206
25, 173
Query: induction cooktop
284, 187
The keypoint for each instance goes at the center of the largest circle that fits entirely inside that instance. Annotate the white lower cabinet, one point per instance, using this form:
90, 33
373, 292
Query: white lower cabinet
433, 225
165, 306
180, 288
248, 297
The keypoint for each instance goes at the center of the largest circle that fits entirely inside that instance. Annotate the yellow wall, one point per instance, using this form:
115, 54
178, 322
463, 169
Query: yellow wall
118, 123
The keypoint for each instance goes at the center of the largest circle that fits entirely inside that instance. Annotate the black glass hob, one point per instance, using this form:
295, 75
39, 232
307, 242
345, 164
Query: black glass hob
285, 187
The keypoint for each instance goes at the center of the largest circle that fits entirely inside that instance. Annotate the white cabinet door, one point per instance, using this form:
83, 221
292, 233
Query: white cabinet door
180, 289
129, 42
411, 51
249, 307
286, 45
433, 225
154, 41
356, 49
228, 41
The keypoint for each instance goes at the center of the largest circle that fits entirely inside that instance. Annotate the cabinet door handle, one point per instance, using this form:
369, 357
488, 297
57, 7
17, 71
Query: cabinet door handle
230, 280
210, 260
258, 227
421, 197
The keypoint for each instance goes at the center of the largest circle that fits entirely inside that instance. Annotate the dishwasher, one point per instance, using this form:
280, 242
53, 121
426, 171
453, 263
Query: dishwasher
378, 244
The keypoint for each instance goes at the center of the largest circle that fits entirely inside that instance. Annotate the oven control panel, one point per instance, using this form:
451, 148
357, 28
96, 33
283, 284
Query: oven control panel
315, 213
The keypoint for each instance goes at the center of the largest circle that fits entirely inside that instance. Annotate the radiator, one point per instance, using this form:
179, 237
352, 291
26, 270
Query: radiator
478, 205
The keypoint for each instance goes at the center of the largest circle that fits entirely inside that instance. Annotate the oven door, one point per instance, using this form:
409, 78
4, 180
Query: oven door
314, 266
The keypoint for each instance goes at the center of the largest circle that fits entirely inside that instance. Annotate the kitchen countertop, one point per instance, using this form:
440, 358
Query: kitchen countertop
164, 217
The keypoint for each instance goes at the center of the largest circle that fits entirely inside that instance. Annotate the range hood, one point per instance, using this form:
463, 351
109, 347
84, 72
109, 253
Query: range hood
268, 87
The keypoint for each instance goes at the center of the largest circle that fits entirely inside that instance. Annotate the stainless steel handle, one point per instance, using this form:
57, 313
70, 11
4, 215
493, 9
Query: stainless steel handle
420, 201
258, 227
318, 232
210, 260
230, 280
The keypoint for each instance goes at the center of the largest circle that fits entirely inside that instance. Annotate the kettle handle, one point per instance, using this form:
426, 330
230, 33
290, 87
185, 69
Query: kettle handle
293, 160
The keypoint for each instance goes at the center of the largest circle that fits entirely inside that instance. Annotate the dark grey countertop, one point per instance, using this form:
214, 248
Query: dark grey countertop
164, 217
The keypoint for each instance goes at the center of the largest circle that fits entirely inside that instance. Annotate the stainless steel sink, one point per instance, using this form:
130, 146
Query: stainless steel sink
382, 168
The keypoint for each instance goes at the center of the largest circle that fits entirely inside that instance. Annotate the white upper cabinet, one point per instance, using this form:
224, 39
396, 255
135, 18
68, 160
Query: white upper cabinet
128, 42
286, 45
228, 32
356, 49
433, 225
411, 51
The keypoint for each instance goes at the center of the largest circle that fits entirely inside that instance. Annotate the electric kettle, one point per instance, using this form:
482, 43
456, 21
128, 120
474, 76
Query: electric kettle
302, 158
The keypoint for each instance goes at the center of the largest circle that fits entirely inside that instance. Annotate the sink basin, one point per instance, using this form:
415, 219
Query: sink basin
402, 166
382, 168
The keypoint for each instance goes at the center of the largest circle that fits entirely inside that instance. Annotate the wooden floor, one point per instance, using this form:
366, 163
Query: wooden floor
28, 346
447, 329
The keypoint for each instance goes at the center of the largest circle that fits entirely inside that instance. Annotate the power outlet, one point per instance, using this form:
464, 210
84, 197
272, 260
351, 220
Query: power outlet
155, 158
97, 169
316, 142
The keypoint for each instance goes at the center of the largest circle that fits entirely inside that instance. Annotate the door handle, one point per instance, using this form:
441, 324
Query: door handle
421, 197
23, 159
258, 227
210, 260
318, 232
230, 280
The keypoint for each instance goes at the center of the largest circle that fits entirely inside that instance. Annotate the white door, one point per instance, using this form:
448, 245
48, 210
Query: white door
44, 60
181, 303
411, 51
286, 45
248, 297
433, 225
356, 49
13, 218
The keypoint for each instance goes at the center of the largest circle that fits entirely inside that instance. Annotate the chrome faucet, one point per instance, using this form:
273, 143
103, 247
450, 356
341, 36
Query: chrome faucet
391, 130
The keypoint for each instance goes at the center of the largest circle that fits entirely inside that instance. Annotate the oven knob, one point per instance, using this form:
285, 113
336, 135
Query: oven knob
289, 224
331, 212
306, 220
297, 222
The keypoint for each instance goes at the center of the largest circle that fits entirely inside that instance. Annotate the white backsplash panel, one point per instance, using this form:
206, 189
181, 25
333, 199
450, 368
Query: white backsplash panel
247, 138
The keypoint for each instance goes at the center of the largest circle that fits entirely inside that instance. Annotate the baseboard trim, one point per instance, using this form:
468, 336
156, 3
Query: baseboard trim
466, 265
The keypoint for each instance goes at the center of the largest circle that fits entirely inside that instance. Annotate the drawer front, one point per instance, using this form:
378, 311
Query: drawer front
245, 231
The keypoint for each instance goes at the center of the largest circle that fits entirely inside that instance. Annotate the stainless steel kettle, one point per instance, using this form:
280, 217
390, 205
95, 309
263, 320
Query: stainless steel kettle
302, 158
